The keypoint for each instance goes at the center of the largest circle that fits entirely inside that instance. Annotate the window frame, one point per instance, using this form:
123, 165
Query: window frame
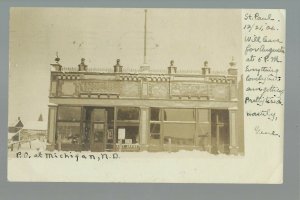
196, 123
176, 121
64, 120
128, 120
124, 123
69, 121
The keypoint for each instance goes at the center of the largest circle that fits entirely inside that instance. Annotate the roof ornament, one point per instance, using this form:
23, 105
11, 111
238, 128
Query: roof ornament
205, 63
118, 68
232, 63
232, 70
82, 66
206, 68
57, 59
56, 66
172, 69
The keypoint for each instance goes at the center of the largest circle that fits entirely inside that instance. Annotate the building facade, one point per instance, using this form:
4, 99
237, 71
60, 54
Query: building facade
122, 110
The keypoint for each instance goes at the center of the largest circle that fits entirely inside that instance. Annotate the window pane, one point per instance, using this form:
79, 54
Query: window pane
128, 114
179, 133
98, 132
70, 132
155, 131
155, 128
155, 114
179, 115
110, 115
131, 133
203, 115
179, 130
99, 115
69, 113
204, 129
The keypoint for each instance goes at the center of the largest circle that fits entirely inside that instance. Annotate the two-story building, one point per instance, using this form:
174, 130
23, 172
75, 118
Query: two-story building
118, 109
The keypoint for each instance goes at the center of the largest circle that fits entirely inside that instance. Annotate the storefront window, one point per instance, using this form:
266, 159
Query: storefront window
69, 132
68, 125
155, 125
204, 129
180, 134
131, 134
179, 115
154, 131
128, 124
66, 113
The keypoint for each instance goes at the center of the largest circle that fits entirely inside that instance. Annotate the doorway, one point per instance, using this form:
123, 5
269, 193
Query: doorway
220, 137
98, 129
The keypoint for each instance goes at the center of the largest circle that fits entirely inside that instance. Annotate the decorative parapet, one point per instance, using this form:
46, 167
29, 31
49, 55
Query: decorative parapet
122, 83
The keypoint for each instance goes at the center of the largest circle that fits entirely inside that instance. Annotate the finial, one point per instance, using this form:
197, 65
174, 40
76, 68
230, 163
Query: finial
57, 59
117, 66
82, 66
172, 63
232, 63
205, 63
172, 69
205, 69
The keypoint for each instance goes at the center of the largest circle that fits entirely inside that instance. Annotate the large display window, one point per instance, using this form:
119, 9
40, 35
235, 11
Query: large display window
68, 125
155, 125
127, 125
180, 126
69, 132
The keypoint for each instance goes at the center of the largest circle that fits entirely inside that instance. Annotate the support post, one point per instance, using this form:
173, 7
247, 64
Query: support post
144, 127
52, 127
234, 148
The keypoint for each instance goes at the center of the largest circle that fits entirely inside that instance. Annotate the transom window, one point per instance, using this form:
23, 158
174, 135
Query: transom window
179, 114
128, 113
69, 113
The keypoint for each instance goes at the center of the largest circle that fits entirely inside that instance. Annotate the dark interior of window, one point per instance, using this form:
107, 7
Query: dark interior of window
131, 134
69, 113
128, 114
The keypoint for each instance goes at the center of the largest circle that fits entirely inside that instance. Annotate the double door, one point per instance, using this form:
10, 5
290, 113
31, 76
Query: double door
95, 129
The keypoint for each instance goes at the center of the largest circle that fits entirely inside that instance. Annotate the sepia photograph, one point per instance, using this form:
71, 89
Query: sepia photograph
126, 80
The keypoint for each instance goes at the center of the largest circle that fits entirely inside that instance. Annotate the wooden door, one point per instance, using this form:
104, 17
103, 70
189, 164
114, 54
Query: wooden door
98, 130
220, 131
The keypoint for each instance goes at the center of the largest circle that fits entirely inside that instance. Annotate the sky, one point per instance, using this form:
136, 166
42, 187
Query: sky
187, 36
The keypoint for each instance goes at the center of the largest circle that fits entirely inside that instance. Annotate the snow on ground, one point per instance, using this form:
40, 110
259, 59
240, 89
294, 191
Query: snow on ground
34, 145
183, 166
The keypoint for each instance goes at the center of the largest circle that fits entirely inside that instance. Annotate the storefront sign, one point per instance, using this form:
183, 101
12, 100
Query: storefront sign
121, 133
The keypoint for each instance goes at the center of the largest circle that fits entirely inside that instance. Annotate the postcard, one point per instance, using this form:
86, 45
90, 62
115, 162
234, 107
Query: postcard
146, 95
